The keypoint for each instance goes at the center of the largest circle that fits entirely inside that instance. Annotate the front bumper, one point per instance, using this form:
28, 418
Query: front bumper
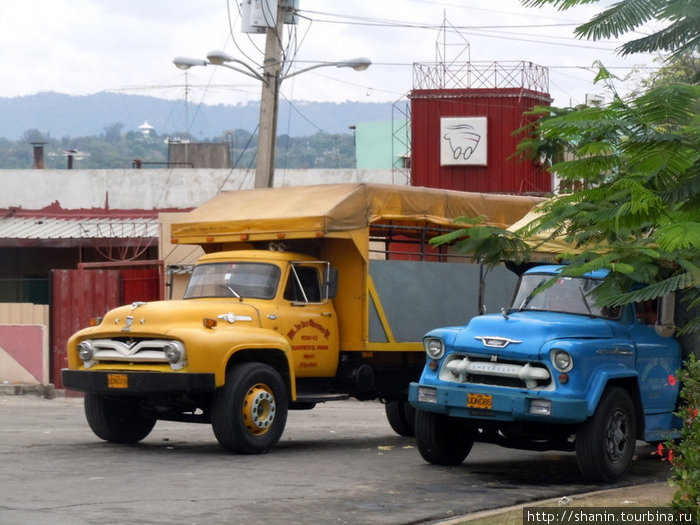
505, 406
120, 382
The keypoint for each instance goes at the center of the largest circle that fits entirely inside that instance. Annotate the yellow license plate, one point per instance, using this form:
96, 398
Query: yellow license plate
117, 381
483, 401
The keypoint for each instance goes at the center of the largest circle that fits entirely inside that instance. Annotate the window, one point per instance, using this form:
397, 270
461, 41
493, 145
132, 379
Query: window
239, 280
565, 294
646, 312
304, 285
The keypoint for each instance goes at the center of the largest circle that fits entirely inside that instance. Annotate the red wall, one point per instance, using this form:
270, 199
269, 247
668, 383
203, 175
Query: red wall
504, 110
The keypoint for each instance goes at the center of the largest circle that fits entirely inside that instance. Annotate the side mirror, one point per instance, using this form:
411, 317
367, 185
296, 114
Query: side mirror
665, 321
331, 284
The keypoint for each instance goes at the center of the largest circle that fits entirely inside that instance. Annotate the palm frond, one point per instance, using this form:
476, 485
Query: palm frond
679, 38
620, 18
674, 283
679, 236
559, 4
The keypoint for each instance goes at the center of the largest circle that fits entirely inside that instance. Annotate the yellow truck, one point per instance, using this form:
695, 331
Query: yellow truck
304, 295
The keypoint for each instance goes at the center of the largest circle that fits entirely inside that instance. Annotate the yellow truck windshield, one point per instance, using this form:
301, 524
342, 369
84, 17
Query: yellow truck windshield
234, 279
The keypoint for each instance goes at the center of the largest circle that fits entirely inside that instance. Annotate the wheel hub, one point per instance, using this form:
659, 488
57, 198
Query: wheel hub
259, 408
617, 437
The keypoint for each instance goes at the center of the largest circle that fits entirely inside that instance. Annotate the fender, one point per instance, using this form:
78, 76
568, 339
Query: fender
600, 381
215, 348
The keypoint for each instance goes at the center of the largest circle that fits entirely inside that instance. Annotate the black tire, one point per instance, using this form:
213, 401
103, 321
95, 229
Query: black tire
605, 442
401, 416
119, 420
441, 439
249, 412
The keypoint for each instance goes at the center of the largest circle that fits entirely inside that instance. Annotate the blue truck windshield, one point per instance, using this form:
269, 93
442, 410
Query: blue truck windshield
570, 295
251, 280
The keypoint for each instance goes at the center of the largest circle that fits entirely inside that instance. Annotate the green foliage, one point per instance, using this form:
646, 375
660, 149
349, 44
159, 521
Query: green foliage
681, 20
116, 150
682, 70
489, 242
637, 164
684, 455
638, 213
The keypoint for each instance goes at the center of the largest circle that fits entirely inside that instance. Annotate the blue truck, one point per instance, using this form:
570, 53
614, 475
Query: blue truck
552, 372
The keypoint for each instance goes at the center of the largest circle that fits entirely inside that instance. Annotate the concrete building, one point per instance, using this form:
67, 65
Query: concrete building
382, 145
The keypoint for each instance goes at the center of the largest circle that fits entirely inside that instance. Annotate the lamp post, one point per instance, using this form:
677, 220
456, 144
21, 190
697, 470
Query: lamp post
271, 79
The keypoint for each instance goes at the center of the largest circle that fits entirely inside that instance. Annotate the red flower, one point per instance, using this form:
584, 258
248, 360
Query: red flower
669, 458
659, 450
672, 380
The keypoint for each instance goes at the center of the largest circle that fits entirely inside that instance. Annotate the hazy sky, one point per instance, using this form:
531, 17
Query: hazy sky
87, 46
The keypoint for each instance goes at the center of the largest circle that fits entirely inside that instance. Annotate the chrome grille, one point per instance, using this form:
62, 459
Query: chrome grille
460, 368
132, 350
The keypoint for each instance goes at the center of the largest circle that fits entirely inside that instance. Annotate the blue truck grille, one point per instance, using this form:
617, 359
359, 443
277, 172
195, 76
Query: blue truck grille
485, 370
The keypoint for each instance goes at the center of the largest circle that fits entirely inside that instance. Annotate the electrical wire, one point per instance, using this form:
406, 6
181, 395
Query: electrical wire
398, 24
245, 148
232, 33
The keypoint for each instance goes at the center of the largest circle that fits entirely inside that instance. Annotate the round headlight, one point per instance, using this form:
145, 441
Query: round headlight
173, 351
434, 348
562, 360
86, 350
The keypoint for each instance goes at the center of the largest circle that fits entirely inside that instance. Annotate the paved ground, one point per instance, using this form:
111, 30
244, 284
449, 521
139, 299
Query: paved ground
337, 464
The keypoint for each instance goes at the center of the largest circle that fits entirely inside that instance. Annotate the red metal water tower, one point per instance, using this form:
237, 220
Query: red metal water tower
463, 116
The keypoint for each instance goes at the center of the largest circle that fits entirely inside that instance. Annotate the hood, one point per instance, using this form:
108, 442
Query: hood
527, 332
159, 317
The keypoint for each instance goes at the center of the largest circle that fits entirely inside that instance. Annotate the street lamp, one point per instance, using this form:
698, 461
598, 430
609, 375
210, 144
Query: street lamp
271, 79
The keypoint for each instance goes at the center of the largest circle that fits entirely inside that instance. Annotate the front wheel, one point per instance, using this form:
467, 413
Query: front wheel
249, 412
605, 442
441, 439
117, 420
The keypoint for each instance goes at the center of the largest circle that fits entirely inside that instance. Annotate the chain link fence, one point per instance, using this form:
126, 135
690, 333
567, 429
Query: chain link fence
25, 290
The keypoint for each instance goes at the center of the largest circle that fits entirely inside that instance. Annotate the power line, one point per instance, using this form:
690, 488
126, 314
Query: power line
397, 24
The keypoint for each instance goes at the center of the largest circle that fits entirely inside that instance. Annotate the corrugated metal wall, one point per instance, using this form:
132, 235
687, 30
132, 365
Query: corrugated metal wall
77, 295
504, 110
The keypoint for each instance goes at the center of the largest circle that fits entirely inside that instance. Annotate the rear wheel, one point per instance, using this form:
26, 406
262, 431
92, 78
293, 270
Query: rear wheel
441, 439
119, 420
605, 442
401, 416
250, 411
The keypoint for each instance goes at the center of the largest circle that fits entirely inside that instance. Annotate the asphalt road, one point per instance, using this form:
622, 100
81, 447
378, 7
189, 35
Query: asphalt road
337, 464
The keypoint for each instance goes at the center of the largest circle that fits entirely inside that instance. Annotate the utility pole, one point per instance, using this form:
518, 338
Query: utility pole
269, 101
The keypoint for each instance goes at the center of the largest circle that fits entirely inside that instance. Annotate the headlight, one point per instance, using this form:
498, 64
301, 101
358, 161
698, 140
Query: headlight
174, 351
434, 348
86, 350
562, 360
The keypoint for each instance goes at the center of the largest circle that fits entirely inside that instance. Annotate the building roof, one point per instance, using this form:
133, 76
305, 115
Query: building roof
74, 231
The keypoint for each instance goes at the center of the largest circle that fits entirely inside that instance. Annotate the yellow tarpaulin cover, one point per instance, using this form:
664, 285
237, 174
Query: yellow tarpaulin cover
340, 207
543, 243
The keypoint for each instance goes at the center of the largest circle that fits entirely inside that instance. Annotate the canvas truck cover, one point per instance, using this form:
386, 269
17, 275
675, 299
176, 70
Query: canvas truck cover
323, 209
544, 246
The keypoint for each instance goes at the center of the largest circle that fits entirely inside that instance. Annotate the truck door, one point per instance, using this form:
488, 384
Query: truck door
309, 320
657, 358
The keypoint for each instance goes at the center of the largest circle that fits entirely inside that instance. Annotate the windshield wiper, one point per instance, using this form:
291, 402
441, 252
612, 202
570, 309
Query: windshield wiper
527, 300
585, 301
233, 292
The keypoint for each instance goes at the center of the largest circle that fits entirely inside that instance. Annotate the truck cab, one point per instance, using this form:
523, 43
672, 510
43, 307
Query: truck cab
551, 372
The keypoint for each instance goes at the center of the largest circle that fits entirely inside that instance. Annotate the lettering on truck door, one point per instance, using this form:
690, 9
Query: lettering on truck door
310, 323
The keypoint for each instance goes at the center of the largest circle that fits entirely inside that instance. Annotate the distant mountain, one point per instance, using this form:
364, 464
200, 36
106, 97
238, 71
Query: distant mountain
62, 115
